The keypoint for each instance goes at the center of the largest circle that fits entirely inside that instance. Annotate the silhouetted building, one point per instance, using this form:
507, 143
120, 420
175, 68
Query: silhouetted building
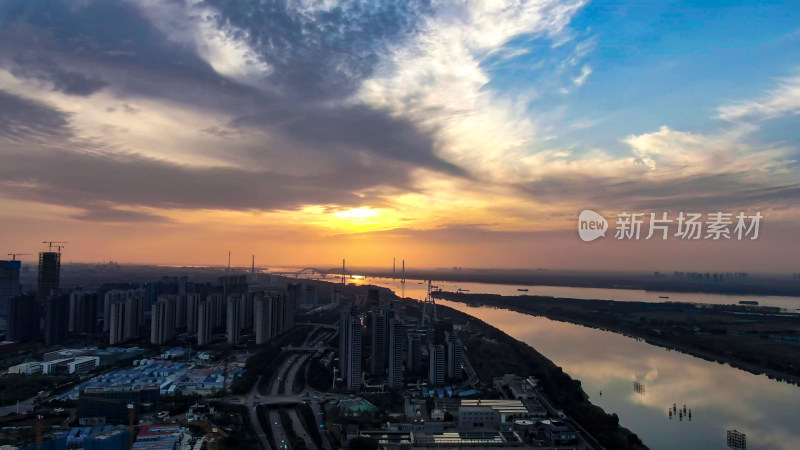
293, 291
9, 283
350, 349
204, 322
162, 320
192, 311
379, 347
273, 315
455, 353
233, 328
49, 274
233, 285
23, 318
373, 298
56, 319
83, 313
310, 297
437, 364
180, 312
414, 350
125, 314
397, 341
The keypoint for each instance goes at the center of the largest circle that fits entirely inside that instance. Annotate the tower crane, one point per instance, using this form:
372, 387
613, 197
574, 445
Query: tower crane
14, 255
59, 247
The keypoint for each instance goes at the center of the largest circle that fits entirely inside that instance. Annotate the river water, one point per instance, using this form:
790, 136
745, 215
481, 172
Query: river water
720, 397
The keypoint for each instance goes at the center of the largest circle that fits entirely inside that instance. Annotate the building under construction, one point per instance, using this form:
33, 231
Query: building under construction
49, 274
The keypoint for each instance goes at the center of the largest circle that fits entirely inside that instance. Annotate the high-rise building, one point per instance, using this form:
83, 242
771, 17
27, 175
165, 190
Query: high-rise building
379, 348
192, 311
273, 315
162, 321
262, 320
397, 341
180, 312
56, 319
83, 313
115, 318
293, 291
437, 364
49, 274
310, 297
248, 305
336, 295
9, 283
23, 318
233, 328
287, 317
218, 310
233, 285
350, 349
124, 314
455, 353
373, 298
414, 350
204, 322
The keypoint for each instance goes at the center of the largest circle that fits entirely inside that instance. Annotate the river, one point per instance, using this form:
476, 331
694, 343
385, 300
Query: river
720, 397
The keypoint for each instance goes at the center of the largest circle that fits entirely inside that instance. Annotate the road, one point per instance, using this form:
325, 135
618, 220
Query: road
299, 429
278, 433
24, 406
277, 399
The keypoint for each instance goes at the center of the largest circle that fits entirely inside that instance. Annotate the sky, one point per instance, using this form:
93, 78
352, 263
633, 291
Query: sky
446, 133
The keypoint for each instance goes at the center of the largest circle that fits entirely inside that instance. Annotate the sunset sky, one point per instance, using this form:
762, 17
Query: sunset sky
449, 133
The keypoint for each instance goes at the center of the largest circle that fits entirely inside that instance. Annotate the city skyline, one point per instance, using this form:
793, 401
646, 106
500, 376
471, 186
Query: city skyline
446, 134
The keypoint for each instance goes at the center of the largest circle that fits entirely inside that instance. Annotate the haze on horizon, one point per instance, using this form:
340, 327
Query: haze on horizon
444, 133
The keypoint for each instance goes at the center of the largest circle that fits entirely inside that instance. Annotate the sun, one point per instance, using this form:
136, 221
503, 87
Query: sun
356, 213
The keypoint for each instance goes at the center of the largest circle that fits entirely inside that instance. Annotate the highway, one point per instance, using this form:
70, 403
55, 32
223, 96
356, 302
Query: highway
278, 399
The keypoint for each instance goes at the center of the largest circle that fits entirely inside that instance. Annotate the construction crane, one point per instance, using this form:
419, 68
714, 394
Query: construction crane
38, 432
131, 420
14, 255
59, 247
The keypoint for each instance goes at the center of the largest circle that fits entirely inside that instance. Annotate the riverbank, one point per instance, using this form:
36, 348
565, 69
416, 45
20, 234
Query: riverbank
757, 342
728, 284
494, 353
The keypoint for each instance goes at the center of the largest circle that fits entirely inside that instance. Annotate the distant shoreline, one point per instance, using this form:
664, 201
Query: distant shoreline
778, 286
491, 301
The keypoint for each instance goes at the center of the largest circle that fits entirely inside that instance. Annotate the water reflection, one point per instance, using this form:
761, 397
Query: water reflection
719, 396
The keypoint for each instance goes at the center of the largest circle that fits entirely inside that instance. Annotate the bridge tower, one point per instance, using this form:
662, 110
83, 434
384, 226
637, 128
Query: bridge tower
343, 272
429, 308
403, 273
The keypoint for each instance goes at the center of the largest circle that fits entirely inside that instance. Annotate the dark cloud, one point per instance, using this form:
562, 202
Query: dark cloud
66, 81
25, 120
318, 151
79, 47
64, 169
105, 213
351, 131
701, 193
319, 53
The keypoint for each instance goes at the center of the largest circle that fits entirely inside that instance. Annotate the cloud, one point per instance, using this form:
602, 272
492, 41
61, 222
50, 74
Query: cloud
133, 111
779, 102
66, 81
584, 75
435, 79
27, 121
670, 169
